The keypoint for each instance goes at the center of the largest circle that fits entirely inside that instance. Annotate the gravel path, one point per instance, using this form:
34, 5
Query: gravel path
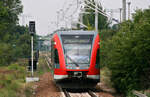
46, 87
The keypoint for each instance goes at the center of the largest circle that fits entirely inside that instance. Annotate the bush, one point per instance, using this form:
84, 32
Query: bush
130, 94
105, 36
128, 54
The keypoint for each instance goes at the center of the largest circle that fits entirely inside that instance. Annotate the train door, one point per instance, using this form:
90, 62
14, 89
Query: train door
55, 56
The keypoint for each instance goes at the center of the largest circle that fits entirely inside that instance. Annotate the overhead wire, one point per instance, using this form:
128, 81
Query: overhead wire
71, 16
100, 11
77, 7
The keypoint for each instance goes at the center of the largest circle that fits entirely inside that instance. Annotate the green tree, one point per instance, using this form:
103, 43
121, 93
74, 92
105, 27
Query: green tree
6, 54
21, 42
128, 54
13, 8
14, 39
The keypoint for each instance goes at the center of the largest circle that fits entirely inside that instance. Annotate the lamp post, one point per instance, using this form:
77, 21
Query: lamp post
96, 16
129, 3
124, 10
120, 14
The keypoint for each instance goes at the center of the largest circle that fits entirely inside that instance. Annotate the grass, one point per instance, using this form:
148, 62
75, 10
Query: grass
42, 67
11, 80
148, 94
29, 90
130, 94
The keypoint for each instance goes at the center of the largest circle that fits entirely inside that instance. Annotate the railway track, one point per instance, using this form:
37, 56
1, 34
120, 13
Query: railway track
48, 62
87, 93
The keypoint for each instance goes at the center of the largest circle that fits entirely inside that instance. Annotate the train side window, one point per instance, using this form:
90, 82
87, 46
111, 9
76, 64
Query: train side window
98, 59
56, 57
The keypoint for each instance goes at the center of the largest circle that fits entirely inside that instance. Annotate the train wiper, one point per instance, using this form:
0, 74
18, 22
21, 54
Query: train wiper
72, 60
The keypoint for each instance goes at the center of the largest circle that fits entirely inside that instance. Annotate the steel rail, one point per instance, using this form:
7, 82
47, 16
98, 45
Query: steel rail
48, 63
139, 94
92, 94
66, 93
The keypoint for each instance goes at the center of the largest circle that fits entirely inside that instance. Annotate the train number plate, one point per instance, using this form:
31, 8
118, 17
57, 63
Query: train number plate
77, 74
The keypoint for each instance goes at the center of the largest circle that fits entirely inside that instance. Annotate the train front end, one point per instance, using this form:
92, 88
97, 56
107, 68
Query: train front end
76, 57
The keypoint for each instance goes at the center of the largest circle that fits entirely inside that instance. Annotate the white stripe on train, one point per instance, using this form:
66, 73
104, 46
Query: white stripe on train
66, 76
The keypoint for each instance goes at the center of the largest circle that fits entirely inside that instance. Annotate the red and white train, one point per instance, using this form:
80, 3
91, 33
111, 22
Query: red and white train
76, 58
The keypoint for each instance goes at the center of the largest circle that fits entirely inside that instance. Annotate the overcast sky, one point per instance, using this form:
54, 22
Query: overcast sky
44, 12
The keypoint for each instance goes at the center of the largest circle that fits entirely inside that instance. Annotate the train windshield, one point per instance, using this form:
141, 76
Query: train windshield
77, 48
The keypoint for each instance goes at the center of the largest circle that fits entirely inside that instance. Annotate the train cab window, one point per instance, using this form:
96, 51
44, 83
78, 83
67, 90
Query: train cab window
56, 58
78, 48
98, 59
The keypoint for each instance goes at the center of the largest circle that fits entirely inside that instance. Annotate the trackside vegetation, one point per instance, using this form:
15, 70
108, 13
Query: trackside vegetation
12, 80
14, 39
127, 54
14, 47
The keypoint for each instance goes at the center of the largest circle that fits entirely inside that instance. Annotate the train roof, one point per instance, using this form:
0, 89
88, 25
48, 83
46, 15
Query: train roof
74, 32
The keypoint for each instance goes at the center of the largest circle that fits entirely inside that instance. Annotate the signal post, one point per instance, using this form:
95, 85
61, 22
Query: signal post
32, 33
